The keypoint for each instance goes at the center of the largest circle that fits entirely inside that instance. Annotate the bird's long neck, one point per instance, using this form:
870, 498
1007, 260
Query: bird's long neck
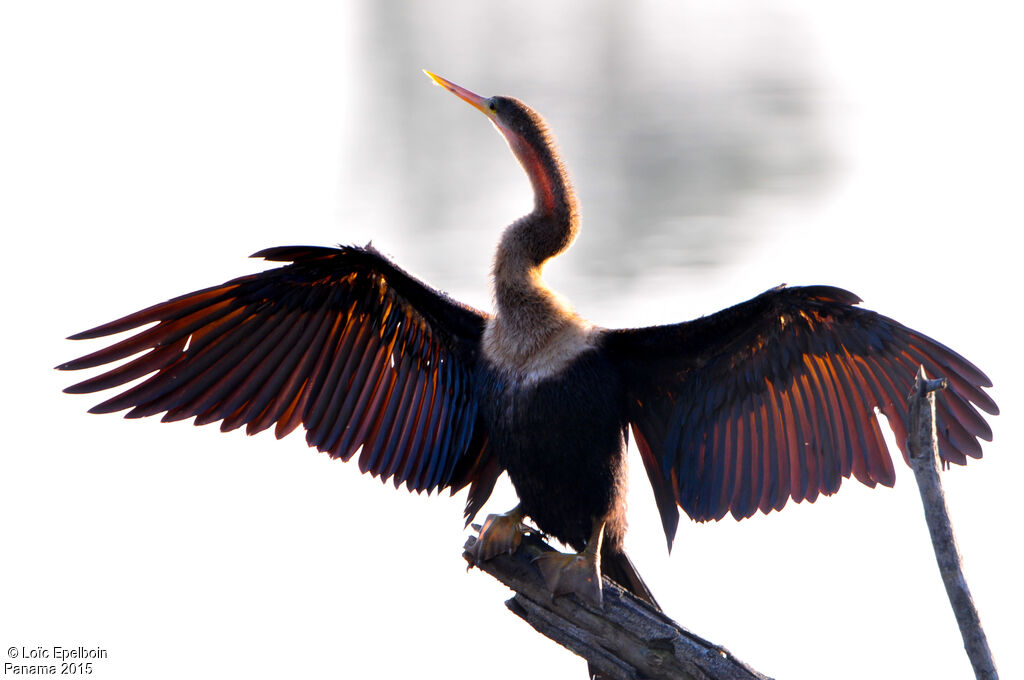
535, 238
529, 314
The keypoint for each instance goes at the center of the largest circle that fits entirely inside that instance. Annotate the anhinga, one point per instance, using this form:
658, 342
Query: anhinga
736, 412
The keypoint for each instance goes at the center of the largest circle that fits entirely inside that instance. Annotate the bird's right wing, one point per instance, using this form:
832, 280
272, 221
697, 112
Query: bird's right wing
340, 340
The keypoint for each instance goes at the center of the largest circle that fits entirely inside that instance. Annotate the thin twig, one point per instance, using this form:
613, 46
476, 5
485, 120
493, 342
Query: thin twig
625, 639
923, 447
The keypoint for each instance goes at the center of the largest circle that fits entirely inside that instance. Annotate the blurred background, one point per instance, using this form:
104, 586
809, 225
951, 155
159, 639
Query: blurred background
718, 149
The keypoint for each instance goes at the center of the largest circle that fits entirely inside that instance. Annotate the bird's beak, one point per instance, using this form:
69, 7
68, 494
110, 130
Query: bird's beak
482, 104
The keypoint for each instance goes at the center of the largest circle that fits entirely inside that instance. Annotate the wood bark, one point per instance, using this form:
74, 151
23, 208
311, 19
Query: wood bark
922, 444
626, 639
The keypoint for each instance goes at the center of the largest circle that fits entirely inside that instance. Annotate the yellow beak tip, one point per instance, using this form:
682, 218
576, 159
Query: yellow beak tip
462, 93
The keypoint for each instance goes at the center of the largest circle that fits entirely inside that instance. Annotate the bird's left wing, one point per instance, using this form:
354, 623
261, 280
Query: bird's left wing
775, 398
340, 340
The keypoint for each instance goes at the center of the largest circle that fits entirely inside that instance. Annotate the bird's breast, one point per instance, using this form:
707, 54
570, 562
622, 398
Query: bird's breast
529, 355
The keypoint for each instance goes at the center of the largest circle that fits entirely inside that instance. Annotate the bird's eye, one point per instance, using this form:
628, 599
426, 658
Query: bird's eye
492, 106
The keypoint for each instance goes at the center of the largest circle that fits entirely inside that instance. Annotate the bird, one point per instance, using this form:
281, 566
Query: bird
741, 411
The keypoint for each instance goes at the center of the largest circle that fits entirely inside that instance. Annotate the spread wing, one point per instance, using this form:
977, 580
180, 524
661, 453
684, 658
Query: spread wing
365, 357
775, 399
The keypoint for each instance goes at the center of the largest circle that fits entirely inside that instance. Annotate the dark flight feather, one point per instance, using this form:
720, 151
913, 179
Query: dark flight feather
776, 398
339, 340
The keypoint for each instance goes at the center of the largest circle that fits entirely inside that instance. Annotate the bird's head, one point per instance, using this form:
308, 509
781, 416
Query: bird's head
514, 119
530, 141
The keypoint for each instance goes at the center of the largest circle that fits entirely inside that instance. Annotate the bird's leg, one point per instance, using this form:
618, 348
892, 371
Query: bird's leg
500, 534
578, 573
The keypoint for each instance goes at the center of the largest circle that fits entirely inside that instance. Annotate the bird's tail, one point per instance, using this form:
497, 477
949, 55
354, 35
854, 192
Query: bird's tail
617, 566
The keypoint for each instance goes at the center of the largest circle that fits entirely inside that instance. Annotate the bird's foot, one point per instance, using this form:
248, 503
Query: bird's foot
577, 573
500, 535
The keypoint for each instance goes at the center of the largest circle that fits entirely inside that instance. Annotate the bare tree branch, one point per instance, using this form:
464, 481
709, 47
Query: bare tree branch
923, 446
626, 640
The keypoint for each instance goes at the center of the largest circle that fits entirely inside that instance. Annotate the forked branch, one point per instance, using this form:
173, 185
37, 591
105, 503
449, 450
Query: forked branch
628, 639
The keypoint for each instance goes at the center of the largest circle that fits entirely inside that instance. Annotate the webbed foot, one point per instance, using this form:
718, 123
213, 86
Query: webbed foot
576, 573
500, 534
